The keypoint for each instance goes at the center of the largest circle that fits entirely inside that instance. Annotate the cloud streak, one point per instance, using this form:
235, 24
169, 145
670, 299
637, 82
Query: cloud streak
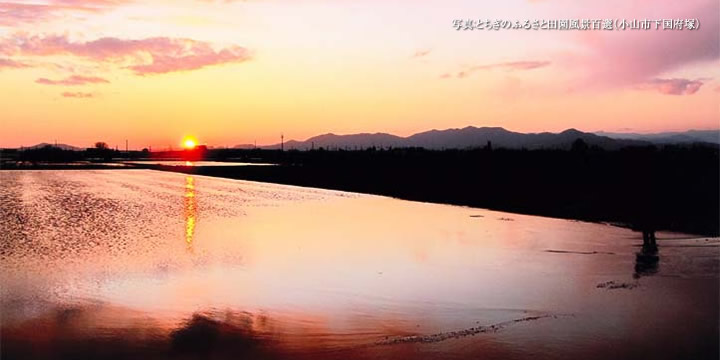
79, 95
506, 66
12, 64
421, 53
13, 13
73, 80
157, 55
514, 65
674, 86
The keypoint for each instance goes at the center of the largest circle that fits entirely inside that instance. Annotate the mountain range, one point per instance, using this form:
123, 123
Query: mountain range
690, 136
470, 137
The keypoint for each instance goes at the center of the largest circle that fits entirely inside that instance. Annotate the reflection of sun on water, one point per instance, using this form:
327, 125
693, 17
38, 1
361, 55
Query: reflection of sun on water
190, 210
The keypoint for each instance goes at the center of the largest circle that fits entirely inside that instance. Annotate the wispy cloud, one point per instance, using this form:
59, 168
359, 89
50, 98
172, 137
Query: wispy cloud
514, 65
197, 58
421, 53
13, 13
674, 86
155, 55
12, 64
73, 80
507, 66
81, 95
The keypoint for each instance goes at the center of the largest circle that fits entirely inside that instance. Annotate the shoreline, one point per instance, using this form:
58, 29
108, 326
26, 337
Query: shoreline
327, 178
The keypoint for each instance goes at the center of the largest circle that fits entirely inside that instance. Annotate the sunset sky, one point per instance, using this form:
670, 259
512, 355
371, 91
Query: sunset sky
235, 72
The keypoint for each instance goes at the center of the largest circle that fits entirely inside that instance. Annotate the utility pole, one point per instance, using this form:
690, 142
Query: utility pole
126, 145
282, 142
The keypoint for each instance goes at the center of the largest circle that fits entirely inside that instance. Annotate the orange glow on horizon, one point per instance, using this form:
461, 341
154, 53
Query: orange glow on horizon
189, 143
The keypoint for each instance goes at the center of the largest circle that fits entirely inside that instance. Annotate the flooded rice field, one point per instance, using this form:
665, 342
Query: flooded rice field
149, 264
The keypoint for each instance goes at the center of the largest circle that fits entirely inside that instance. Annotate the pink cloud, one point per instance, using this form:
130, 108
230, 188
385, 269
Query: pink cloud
82, 95
147, 56
14, 13
73, 80
90, 3
10, 63
632, 57
674, 86
194, 60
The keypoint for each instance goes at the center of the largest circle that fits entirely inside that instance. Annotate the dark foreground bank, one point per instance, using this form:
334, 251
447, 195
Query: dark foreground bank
646, 188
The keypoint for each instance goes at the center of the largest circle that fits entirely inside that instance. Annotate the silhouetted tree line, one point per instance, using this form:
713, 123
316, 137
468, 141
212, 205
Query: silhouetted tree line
52, 154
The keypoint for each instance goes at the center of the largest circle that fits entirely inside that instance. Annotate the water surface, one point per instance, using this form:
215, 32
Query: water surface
150, 264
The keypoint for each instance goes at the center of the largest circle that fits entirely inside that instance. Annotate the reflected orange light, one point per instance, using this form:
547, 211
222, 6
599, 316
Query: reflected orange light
190, 210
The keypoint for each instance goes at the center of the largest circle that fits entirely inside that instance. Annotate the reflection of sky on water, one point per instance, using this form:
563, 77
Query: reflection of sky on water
319, 269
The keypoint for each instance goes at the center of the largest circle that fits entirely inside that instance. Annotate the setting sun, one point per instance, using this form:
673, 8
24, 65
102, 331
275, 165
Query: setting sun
189, 143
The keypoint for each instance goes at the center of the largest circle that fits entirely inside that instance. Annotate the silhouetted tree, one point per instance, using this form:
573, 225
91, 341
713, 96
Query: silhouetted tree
49, 153
579, 145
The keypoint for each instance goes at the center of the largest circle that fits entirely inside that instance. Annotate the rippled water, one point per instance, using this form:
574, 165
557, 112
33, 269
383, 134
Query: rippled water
150, 264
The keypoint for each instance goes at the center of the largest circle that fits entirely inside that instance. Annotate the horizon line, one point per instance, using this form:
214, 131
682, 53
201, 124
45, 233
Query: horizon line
179, 147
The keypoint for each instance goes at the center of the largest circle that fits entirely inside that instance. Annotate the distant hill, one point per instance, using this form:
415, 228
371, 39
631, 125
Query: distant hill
244, 146
363, 140
690, 136
61, 146
468, 137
